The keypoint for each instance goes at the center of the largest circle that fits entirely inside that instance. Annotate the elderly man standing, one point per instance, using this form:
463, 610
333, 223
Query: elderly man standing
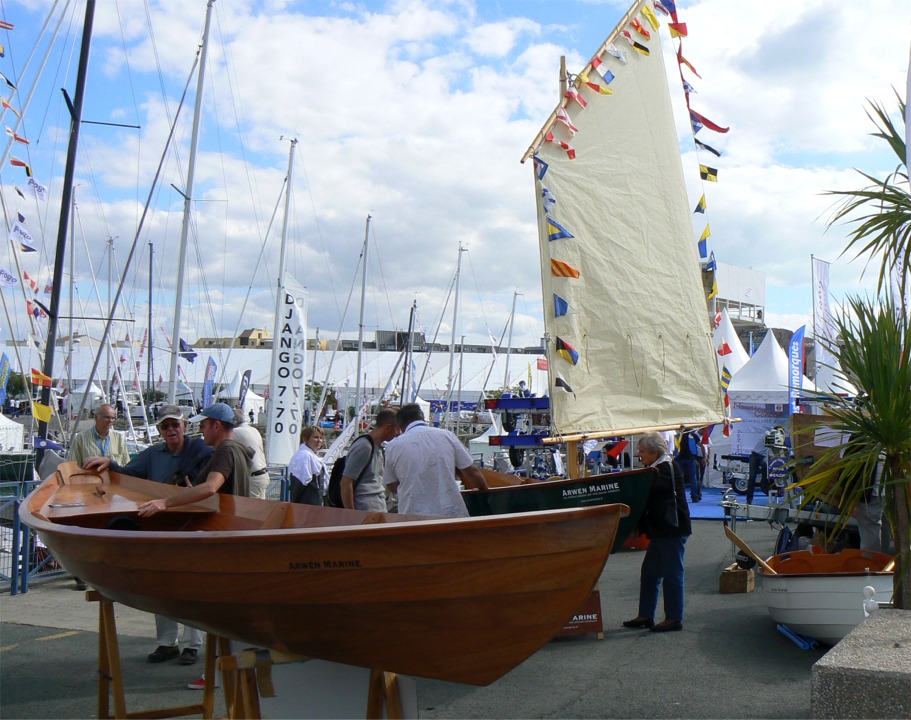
422, 465
101, 440
178, 461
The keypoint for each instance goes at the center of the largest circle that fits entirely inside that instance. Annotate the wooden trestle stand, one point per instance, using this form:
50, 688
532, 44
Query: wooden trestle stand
246, 675
110, 673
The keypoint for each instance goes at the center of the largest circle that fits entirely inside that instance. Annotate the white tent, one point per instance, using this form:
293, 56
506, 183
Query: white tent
759, 395
252, 401
94, 396
12, 434
729, 349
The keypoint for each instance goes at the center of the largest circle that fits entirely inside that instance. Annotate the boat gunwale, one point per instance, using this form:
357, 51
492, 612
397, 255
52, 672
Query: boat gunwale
537, 485
430, 526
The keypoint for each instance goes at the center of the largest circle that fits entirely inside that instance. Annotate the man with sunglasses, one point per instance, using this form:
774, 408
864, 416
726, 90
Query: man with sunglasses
178, 461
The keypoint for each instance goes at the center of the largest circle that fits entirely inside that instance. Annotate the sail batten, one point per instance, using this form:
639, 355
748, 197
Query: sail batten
635, 315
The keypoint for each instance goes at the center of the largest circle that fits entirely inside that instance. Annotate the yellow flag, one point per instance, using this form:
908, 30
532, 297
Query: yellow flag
706, 233
714, 291
41, 411
651, 17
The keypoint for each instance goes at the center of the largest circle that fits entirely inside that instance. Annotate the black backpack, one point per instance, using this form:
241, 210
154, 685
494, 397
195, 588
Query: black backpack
334, 491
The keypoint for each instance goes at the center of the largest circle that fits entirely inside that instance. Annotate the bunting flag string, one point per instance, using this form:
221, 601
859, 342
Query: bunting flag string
573, 94
570, 150
700, 206
621, 55
548, 201
640, 28
561, 307
16, 137
708, 173
564, 119
540, 167
563, 385
637, 46
595, 86
707, 123
16, 162
707, 148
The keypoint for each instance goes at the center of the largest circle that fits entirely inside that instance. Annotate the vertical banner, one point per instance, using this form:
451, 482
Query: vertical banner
244, 386
795, 366
4, 377
287, 385
822, 329
208, 382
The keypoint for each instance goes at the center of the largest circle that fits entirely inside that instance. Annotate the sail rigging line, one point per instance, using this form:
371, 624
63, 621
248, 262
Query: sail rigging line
139, 230
285, 187
439, 325
62, 231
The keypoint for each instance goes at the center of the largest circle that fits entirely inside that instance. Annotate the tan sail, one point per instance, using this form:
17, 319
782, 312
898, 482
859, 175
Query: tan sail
636, 314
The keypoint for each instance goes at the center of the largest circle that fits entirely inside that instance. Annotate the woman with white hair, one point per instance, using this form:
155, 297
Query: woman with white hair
666, 522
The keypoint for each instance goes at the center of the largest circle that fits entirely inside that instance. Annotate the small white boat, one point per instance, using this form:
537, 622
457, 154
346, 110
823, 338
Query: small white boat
820, 595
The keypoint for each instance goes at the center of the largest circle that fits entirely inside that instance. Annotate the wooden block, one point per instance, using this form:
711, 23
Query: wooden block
734, 579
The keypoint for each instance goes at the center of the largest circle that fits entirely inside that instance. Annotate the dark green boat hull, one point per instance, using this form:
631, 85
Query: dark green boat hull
630, 487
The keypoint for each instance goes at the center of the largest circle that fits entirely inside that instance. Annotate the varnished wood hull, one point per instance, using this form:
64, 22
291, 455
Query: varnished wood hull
463, 600
630, 488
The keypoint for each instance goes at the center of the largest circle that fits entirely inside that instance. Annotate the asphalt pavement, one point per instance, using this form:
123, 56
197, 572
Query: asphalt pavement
728, 662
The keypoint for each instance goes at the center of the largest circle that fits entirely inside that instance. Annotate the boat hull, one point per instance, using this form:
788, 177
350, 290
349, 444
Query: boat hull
630, 488
821, 596
463, 600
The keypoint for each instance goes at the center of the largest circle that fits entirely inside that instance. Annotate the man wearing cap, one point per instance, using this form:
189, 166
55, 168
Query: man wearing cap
251, 438
178, 461
228, 470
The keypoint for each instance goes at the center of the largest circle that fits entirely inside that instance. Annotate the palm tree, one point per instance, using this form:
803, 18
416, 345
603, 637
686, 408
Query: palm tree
874, 352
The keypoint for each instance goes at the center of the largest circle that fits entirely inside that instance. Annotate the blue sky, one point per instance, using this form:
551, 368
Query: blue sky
418, 112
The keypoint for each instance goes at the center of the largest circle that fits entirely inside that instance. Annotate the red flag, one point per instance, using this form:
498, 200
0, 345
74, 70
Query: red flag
615, 451
10, 107
682, 60
570, 150
542, 363
724, 349
678, 29
717, 320
639, 28
573, 94
708, 123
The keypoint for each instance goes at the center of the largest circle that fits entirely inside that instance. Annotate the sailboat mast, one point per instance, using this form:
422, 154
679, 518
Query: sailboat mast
150, 365
187, 204
69, 364
360, 332
280, 288
65, 202
815, 336
512, 318
455, 324
409, 349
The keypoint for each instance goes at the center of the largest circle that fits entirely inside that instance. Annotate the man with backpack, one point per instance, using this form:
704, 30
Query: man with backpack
362, 477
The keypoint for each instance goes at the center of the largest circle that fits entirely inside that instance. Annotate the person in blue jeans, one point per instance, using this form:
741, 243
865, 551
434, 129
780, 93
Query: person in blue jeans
667, 532
688, 459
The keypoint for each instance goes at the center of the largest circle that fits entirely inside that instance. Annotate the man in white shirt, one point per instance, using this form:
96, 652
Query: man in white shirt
250, 437
422, 465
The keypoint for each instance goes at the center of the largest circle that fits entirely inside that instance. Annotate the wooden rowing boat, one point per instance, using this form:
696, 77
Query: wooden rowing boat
820, 595
463, 600
521, 495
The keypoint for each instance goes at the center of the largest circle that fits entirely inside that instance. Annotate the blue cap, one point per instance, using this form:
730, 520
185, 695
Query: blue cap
218, 411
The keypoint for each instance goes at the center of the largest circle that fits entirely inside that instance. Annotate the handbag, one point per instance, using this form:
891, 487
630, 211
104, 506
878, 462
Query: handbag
669, 508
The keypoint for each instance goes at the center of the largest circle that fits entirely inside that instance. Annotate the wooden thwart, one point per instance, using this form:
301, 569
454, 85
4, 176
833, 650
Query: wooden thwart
739, 542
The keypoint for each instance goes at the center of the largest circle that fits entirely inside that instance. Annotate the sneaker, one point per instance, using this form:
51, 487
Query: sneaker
188, 656
200, 684
162, 653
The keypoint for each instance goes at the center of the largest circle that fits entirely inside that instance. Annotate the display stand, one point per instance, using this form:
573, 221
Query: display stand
587, 619
247, 676
110, 672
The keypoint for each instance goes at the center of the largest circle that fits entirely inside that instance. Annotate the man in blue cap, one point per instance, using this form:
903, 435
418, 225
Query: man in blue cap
228, 470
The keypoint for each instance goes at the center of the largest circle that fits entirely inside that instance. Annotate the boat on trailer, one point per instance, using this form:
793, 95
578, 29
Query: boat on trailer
456, 599
821, 595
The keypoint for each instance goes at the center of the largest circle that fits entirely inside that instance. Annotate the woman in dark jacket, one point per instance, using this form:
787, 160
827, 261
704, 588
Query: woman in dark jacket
667, 539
